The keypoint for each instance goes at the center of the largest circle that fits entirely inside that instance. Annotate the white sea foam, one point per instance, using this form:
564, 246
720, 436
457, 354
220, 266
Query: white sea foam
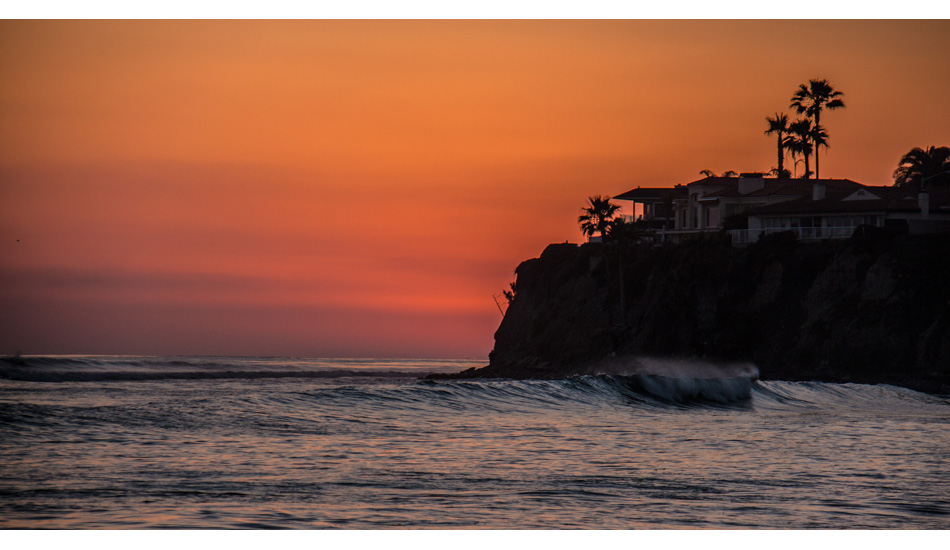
676, 367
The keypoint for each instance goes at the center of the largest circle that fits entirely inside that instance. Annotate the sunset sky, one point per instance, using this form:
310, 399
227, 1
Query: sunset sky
363, 188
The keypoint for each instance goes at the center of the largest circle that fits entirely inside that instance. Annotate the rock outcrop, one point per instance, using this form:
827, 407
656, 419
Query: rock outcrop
872, 309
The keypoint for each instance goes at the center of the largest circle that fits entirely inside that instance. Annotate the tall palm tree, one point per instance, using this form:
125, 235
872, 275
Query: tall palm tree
819, 138
918, 164
799, 142
811, 99
779, 125
597, 215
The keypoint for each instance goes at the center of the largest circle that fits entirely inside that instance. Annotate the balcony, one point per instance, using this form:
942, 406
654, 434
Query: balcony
746, 236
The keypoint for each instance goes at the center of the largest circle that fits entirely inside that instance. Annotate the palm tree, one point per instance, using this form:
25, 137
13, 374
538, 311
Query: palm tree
783, 174
819, 138
799, 142
811, 99
919, 164
708, 173
597, 215
779, 125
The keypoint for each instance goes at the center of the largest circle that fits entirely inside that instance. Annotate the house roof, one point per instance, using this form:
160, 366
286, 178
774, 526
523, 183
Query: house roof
787, 187
652, 193
889, 199
729, 187
716, 180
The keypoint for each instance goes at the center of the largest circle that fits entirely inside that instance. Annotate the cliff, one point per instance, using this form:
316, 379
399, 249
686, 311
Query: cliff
872, 309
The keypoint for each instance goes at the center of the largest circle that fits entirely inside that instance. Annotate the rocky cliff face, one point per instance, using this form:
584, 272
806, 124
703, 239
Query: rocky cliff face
873, 309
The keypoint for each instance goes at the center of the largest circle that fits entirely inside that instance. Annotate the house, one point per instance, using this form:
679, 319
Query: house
654, 203
751, 205
834, 214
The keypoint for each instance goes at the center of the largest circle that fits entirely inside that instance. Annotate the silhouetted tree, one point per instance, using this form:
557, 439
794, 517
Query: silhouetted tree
811, 99
510, 294
618, 236
780, 174
819, 138
729, 174
779, 125
932, 163
620, 231
597, 215
708, 173
799, 142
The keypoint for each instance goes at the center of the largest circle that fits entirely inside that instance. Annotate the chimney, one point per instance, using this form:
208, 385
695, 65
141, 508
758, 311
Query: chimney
818, 191
923, 202
750, 182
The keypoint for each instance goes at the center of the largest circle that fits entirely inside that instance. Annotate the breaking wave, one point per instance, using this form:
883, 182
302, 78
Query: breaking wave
649, 384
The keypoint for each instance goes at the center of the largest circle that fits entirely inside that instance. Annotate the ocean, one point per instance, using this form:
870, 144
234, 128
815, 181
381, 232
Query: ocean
260, 443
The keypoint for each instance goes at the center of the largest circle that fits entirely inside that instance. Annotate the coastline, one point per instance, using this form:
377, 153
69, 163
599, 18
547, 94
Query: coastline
932, 386
873, 309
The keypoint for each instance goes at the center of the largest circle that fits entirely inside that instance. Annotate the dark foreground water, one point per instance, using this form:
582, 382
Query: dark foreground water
124, 442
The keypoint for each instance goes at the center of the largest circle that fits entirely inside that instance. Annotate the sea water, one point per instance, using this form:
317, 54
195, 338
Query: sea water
187, 442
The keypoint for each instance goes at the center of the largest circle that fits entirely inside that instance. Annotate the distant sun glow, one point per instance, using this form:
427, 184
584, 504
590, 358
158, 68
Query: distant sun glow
366, 188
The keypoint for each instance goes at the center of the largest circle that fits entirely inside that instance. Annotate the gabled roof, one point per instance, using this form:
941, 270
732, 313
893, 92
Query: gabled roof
892, 199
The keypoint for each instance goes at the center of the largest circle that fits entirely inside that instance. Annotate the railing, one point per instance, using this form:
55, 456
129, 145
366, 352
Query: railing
742, 236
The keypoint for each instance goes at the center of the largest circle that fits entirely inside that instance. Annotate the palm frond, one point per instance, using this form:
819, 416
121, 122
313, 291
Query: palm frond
597, 215
918, 165
778, 123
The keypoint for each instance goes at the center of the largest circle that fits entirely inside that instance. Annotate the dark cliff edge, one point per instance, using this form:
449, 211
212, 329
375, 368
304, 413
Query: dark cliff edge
872, 309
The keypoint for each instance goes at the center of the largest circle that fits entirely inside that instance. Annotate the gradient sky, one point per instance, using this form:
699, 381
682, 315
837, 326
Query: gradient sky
363, 188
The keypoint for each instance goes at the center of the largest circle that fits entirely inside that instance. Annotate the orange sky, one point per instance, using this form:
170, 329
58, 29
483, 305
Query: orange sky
363, 188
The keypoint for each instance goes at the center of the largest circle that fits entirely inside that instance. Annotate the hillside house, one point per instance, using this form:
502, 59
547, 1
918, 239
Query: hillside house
654, 203
751, 205
834, 214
